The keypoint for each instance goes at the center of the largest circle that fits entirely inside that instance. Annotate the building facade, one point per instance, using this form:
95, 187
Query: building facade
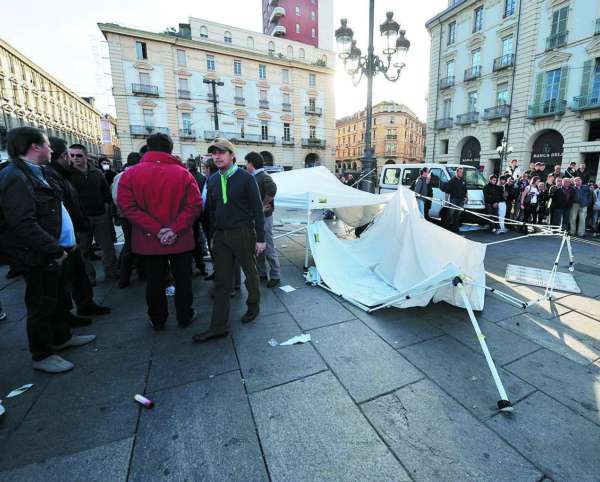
526, 71
29, 96
111, 147
306, 21
398, 137
273, 96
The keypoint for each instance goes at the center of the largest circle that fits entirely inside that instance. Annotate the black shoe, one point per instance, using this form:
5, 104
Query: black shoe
157, 327
264, 278
209, 335
93, 309
251, 314
273, 283
78, 321
210, 277
189, 321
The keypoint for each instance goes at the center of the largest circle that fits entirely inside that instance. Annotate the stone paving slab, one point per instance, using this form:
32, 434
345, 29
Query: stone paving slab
563, 444
68, 432
269, 304
464, 374
583, 304
568, 382
437, 439
574, 336
365, 364
200, 431
311, 430
264, 366
100, 464
314, 308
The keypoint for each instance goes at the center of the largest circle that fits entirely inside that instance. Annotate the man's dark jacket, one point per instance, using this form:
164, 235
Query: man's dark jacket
93, 190
267, 187
30, 218
63, 177
457, 188
562, 198
492, 193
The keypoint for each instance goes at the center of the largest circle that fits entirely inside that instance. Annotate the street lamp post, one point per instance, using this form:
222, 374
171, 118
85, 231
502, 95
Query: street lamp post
357, 65
503, 151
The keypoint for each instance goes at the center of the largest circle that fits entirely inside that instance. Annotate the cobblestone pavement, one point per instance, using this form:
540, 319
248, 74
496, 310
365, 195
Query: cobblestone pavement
392, 396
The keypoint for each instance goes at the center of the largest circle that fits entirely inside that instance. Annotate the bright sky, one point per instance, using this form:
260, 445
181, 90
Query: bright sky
62, 37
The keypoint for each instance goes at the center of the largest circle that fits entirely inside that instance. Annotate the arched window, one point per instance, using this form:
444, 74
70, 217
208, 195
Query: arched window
203, 32
227, 37
271, 48
301, 54
290, 51
324, 59
250, 42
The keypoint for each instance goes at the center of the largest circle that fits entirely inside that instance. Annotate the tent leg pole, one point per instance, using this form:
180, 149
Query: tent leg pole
306, 242
570, 250
552, 278
503, 404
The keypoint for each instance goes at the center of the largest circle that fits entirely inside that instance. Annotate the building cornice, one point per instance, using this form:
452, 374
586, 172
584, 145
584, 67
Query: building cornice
458, 6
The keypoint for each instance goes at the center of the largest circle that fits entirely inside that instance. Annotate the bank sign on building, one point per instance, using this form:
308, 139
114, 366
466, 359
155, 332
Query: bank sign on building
526, 71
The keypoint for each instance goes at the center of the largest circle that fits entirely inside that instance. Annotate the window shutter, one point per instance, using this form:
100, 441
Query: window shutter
539, 87
586, 79
564, 77
562, 22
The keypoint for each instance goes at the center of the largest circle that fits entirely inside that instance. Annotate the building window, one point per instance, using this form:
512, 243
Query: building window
313, 32
286, 98
141, 51
250, 42
239, 91
596, 83
290, 51
285, 76
144, 78
262, 71
203, 32
476, 58
148, 115
552, 85
502, 94
237, 67
478, 19
184, 84
450, 68
313, 15
445, 144
286, 132
181, 57
264, 130
312, 132
241, 124
472, 101
186, 122
271, 48
447, 108
509, 7
451, 33
297, 11
227, 37
312, 104
210, 63
263, 94
312, 80
297, 28
301, 54
559, 22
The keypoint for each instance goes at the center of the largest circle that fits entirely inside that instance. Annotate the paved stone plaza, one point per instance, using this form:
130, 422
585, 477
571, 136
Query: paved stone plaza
394, 396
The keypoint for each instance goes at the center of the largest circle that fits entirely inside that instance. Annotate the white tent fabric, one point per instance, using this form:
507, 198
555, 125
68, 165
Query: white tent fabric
317, 188
400, 254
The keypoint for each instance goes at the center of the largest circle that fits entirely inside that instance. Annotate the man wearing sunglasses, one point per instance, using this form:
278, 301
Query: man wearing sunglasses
95, 197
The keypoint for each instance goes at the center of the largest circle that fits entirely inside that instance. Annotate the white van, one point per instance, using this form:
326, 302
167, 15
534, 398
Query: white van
394, 175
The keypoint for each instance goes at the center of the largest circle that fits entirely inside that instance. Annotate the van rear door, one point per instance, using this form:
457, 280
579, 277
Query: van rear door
390, 178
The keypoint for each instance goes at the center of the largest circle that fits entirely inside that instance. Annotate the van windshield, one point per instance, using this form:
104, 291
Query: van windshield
472, 176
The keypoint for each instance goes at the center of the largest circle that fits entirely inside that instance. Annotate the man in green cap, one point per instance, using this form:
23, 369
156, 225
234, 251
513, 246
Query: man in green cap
237, 219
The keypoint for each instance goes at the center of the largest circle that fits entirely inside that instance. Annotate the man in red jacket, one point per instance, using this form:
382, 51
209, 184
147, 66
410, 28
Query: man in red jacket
161, 200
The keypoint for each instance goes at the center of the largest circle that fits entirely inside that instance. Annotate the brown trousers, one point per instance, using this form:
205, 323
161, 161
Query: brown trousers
227, 248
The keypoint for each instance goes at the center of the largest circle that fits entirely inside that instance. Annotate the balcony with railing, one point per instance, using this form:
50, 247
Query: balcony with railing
557, 40
279, 31
504, 62
586, 102
447, 82
186, 133
467, 118
312, 110
286, 107
391, 137
497, 112
277, 13
472, 73
287, 141
313, 143
145, 131
444, 123
550, 107
266, 139
239, 101
209, 96
263, 104
145, 89
184, 94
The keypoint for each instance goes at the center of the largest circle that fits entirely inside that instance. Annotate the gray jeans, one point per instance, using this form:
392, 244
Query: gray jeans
269, 254
101, 230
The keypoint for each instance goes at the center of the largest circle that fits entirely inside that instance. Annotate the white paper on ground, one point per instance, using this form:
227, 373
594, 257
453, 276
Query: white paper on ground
287, 288
18, 391
273, 342
304, 338
2, 410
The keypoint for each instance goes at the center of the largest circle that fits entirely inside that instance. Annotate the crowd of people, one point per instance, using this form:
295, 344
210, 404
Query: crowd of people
56, 204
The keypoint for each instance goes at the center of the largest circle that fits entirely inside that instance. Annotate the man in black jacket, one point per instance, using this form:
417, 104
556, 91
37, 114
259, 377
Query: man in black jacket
456, 188
77, 279
37, 234
95, 198
237, 221
492, 196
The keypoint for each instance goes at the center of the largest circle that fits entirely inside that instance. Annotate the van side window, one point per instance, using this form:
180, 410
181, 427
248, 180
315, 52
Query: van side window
409, 175
391, 176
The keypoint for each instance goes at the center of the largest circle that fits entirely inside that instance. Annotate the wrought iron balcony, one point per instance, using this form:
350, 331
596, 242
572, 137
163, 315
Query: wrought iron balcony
187, 134
312, 110
445, 123
239, 101
145, 131
145, 89
391, 136
279, 31
586, 102
277, 13
467, 118
557, 40
286, 107
473, 73
266, 139
313, 142
184, 94
263, 104
497, 112
447, 82
504, 62
287, 141
547, 108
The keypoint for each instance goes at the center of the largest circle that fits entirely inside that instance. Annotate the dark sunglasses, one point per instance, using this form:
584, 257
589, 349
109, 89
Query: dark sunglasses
78, 156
